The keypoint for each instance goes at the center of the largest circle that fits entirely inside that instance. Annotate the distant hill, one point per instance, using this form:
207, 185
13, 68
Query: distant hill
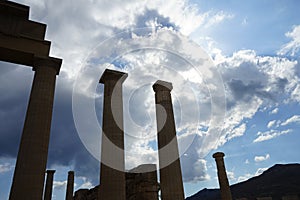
279, 180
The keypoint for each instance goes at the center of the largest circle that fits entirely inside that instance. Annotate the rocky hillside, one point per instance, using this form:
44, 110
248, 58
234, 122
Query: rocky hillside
279, 180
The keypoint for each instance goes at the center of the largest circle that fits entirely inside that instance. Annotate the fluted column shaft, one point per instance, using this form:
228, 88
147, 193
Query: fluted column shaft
222, 176
28, 180
49, 185
169, 164
112, 175
70, 186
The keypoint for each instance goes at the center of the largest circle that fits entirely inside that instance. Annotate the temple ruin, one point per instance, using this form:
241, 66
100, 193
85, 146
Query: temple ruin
127, 185
141, 183
22, 41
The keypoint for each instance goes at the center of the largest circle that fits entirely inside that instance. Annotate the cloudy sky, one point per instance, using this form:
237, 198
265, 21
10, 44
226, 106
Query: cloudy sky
234, 67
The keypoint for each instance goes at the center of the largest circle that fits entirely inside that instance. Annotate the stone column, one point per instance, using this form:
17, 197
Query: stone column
112, 175
49, 185
70, 186
28, 180
169, 164
222, 176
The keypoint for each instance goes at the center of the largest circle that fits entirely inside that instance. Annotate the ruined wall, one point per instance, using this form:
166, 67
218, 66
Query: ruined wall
141, 184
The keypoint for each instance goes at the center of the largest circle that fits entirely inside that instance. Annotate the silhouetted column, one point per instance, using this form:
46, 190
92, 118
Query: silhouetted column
170, 172
28, 180
49, 185
222, 176
112, 176
70, 186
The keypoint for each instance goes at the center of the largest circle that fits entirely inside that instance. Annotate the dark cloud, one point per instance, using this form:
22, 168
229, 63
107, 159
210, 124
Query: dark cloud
65, 146
153, 15
247, 81
246, 92
193, 168
15, 84
280, 84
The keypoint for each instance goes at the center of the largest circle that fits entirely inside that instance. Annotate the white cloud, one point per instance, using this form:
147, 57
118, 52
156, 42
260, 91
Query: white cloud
268, 135
87, 184
293, 119
244, 177
200, 169
146, 154
218, 18
296, 93
60, 185
185, 15
88, 23
271, 123
293, 46
245, 21
230, 176
259, 171
6, 167
247, 161
261, 158
144, 68
251, 83
263, 74
237, 131
274, 111
194, 169
247, 176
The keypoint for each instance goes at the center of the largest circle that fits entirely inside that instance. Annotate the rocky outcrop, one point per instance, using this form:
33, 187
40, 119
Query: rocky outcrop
279, 181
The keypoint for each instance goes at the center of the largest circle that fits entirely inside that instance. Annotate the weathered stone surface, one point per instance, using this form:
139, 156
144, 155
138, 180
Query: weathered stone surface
112, 175
141, 183
169, 164
31, 163
22, 42
83, 194
20, 38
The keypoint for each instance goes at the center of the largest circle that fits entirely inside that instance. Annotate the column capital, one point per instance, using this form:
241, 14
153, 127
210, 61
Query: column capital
109, 74
162, 86
41, 61
50, 171
218, 155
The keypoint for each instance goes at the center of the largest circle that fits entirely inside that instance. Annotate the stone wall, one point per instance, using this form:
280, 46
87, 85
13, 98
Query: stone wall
141, 183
